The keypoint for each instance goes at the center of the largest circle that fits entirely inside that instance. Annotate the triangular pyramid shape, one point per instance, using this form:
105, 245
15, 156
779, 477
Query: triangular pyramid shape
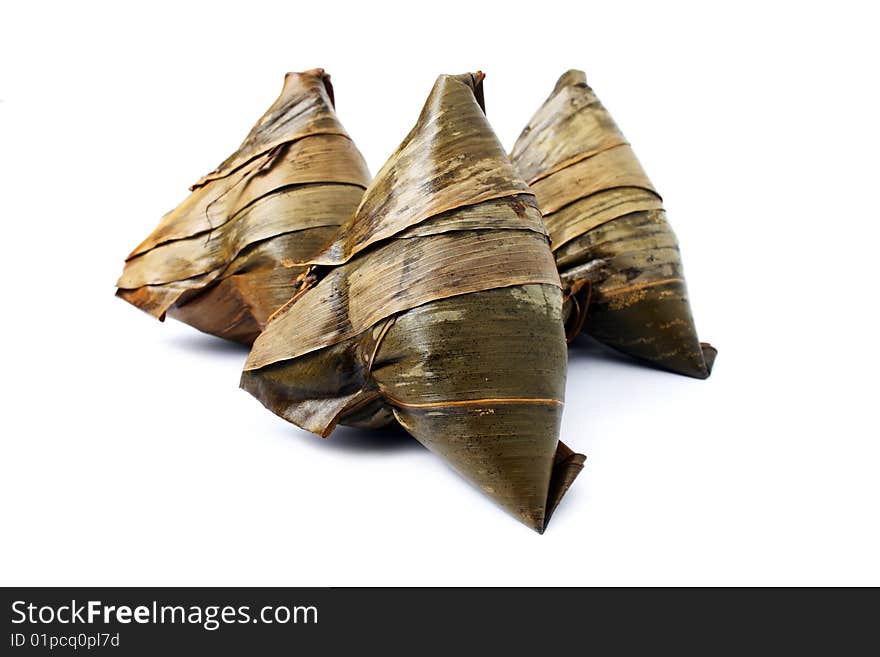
215, 261
437, 306
609, 232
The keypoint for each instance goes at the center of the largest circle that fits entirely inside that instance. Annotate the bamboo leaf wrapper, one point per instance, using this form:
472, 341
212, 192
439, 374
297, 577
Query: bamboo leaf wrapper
609, 232
436, 306
215, 261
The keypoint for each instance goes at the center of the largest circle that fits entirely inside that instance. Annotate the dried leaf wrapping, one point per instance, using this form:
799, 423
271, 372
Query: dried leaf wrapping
608, 229
437, 306
215, 261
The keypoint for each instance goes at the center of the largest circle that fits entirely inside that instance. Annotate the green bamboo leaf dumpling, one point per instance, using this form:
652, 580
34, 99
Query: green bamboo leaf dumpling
615, 250
438, 307
215, 261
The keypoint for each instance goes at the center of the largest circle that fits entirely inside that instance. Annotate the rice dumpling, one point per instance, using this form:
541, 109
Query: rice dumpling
215, 261
436, 306
618, 258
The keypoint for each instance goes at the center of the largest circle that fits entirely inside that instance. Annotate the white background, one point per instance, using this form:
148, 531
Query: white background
130, 456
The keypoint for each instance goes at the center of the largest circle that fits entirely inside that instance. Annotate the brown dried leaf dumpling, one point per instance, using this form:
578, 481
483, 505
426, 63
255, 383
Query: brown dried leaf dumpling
614, 248
215, 261
437, 306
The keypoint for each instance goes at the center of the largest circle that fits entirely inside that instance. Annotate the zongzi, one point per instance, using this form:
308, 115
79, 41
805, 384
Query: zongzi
616, 253
437, 306
215, 261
